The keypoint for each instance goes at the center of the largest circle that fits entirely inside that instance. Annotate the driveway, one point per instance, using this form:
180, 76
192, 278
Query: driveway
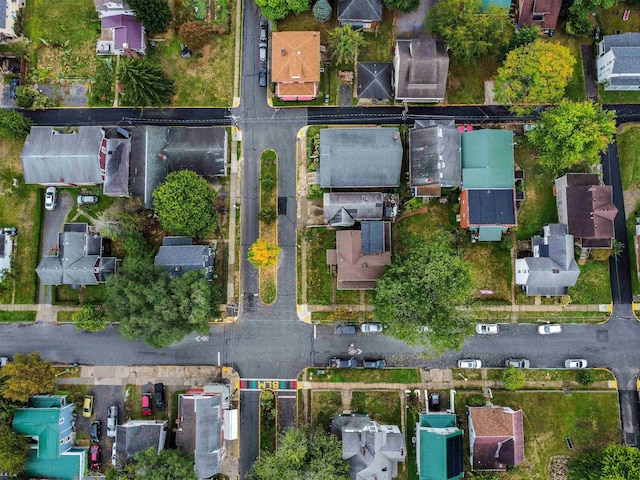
103, 396
53, 221
413, 25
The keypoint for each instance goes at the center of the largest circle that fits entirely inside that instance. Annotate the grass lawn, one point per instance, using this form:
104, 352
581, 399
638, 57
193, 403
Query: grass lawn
631, 234
65, 295
558, 375
593, 285
539, 206
132, 406
325, 406
268, 421
19, 316
379, 46
609, 22
413, 414
390, 375
608, 97
383, 407
533, 317
591, 420
64, 316
20, 207
269, 229
318, 278
465, 84
575, 89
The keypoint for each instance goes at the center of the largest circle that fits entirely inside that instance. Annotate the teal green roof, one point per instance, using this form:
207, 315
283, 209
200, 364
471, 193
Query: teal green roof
66, 467
487, 159
46, 401
490, 234
500, 3
41, 423
439, 454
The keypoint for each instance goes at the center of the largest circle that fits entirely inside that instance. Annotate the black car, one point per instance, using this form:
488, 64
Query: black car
96, 428
344, 330
262, 77
158, 395
374, 363
434, 402
263, 30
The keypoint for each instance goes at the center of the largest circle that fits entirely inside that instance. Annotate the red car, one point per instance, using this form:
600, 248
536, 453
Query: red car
94, 457
146, 404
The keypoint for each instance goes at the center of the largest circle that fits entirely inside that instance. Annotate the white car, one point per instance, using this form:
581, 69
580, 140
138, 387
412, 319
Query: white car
50, 198
486, 329
549, 329
575, 363
469, 363
113, 455
4, 361
371, 328
112, 420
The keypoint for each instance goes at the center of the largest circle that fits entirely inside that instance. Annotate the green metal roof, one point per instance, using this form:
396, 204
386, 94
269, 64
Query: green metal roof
41, 423
440, 447
490, 234
66, 467
501, 3
487, 159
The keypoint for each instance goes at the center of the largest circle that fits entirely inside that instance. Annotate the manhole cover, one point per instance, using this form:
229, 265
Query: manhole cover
602, 335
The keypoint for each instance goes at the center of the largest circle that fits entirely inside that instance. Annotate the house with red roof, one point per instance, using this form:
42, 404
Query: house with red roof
496, 438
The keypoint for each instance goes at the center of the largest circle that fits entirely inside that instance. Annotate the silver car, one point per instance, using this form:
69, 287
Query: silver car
112, 420
263, 52
469, 363
517, 363
575, 363
371, 328
50, 198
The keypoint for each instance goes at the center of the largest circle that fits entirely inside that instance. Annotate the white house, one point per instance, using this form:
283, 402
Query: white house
618, 61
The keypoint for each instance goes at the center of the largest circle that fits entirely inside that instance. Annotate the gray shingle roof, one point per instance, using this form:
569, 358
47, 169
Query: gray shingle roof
359, 10
79, 260
345, 209
360, 157
553, 267
199, 431
179, 258
158, 151
49, 157
116, 182
137, 435
374, 80
434, 155
422, 66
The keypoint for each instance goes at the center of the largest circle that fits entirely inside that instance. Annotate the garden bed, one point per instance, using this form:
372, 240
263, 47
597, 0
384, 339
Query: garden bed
268, 421
387, 375
268, 276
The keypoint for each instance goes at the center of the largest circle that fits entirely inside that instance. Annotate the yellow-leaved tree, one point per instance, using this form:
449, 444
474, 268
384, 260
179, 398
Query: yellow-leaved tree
263, 253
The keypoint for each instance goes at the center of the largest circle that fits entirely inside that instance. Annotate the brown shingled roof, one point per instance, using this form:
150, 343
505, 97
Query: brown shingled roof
295, 57
499, 437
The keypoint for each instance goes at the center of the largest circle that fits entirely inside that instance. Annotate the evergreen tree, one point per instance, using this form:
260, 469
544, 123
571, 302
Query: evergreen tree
144, 84
322, 11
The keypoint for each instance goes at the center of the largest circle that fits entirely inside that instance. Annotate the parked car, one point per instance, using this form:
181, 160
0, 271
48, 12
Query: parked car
13, 84
87, 406
50, 198
87, 199
344, 330
96, 428
4, 361
486, 329
549, 329
263, 51
371, 328
146, 404
517, 363
343, 363
113, 455
112, 420
94, 457
469, 363
434, 402
263, 30
575, 363
374, 363
262, 77
158, 395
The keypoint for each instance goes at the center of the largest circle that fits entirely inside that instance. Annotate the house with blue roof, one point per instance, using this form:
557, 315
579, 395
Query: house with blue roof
438, 447
47, 421
488, 197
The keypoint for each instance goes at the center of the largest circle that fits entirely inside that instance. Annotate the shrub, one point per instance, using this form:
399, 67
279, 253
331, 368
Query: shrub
585, 377
513, 378
476, 401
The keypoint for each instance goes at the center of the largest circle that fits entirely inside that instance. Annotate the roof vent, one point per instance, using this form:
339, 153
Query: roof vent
396, 135
177, 269
299, 52
365, 265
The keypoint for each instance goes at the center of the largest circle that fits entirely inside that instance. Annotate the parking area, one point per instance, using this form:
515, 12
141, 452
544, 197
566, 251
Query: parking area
103, 397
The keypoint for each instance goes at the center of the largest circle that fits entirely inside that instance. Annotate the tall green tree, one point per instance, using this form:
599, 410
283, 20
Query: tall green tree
345, 42
303, 453
322, 11
151, 305
184, 203
425, 286
13, 451
521, 37
278, 9
90, 318
27, 375
144, 84
13, 124
615, 462
402, 5
534, 73
154, 15
469, 30
149, 465
572, 134
579, 20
